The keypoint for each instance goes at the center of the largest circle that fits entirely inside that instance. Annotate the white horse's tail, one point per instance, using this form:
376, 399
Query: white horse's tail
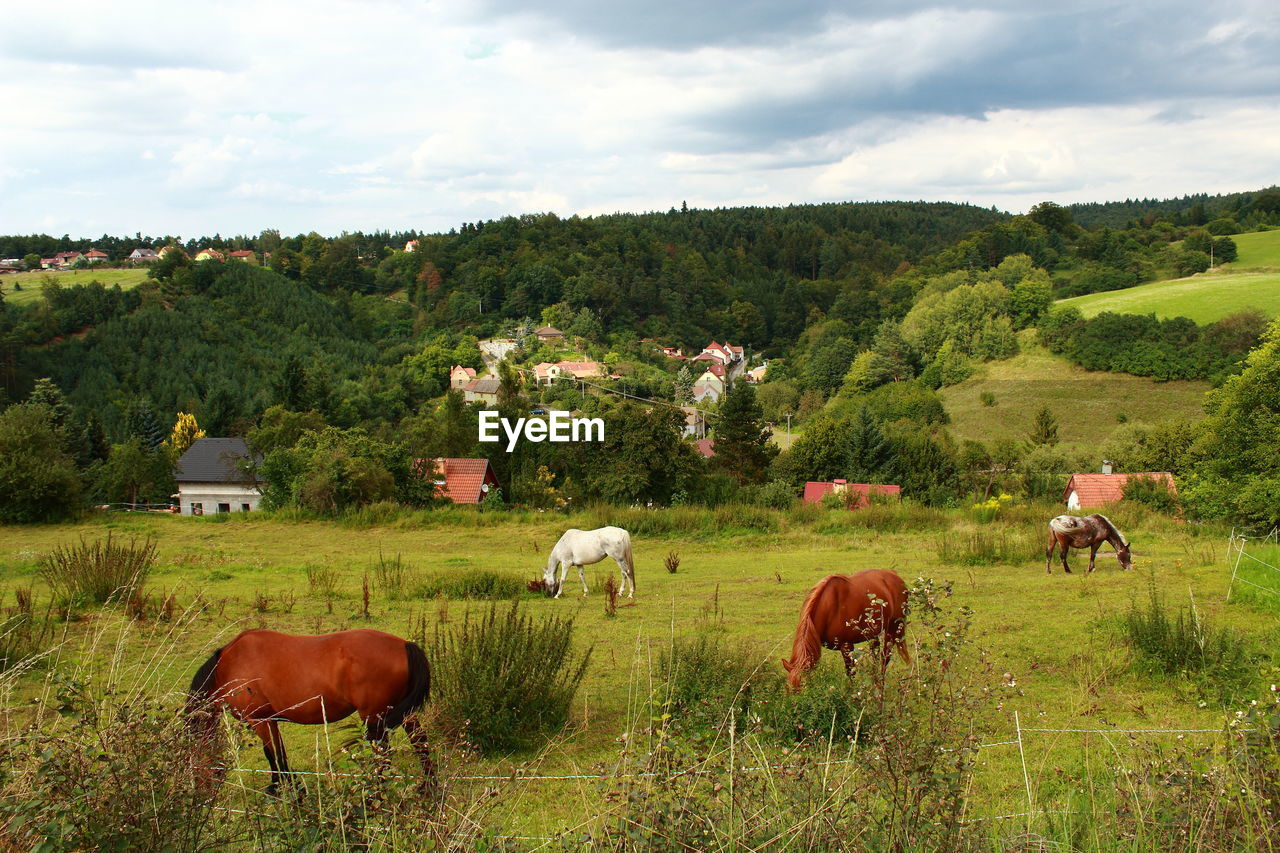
631, 563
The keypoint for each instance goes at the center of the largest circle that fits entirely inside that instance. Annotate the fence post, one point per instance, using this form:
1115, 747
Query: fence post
1238, 544
1026, 780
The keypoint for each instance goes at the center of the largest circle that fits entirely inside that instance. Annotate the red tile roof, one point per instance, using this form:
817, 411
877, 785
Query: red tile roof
460, 480
814, 491
706, 446
1098, 489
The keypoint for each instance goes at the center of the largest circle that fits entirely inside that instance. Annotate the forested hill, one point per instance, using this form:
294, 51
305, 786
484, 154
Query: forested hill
1197, 209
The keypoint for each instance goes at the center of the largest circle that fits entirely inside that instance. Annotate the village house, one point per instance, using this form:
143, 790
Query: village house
695, 422
756, 375
460, 377
210, 255
411, 246
546, 373
482, 390
60, 261
94, 256
710, 384
549, 334
463, 481
1093, 490
246, 255
856, 495
143, 256
210, 479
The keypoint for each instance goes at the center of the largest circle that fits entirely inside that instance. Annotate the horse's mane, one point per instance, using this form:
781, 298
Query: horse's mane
1113, 529
807, 645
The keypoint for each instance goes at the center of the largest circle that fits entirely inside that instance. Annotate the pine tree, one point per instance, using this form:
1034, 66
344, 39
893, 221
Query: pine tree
684, 386
142, 423
1044, 429
742, 445
868, 448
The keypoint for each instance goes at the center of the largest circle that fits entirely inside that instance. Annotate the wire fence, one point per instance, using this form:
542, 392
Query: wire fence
1236, 546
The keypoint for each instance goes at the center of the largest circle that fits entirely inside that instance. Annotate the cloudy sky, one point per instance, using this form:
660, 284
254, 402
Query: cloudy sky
196, 118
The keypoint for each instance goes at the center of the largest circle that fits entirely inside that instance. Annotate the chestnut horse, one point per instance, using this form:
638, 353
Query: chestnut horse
264, 677
842, 610
1090, 531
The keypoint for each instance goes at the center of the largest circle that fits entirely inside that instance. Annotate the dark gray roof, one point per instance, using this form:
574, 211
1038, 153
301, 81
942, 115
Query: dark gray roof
214, 460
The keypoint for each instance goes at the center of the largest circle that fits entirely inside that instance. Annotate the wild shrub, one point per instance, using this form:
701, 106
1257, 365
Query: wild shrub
1182, 642
503, 681
480, 584
745, 517
22, 640
984, 547
702, 676
106, 774
392, 576
1152, 493
99, 570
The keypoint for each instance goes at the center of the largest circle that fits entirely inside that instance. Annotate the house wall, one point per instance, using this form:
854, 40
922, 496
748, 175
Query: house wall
209, 495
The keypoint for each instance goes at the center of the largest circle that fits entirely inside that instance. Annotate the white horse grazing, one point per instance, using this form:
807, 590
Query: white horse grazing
584, 547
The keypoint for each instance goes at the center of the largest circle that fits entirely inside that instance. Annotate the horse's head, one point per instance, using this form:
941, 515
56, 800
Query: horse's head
1125, 558
549, 584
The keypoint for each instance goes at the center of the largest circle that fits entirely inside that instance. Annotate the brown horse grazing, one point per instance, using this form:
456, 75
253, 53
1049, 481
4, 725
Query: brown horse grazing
1090, 531
264, 677
842, 610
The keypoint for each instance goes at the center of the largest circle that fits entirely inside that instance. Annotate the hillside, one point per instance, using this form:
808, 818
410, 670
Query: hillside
1252, 282
1086, 403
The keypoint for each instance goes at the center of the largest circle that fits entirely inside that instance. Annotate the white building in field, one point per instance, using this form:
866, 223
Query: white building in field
211, 481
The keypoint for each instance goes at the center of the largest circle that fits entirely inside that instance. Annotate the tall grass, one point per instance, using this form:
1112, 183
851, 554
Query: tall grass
985, 546
476, 584
1182, 642
98, 571
503, 681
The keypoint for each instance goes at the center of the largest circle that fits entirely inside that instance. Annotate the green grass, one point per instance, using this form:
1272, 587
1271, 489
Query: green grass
1257, 249
746, 584
1086, 403
1204, 298
31, 281
1252, 282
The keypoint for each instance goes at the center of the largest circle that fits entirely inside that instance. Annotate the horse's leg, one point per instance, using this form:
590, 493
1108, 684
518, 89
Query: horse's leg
582, 576
850, 665
1048, 554
273, 748
1065, 567
628, 584
418, 740
1093, 552
564, 570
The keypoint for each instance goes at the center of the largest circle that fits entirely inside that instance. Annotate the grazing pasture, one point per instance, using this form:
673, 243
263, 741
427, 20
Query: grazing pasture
31, 281
1047, 649
1089, 405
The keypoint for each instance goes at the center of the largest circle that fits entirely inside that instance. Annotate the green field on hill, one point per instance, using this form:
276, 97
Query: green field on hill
30, 282
1251, 283
1087, 404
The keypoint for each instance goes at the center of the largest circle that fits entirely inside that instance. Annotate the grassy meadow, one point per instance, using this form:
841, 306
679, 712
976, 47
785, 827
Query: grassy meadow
30, 282
1252, 282
1087, 404
1050, 640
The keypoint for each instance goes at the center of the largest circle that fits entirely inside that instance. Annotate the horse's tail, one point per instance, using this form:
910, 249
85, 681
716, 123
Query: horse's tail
1058, 526
807, 644
631, 562
202, 721
1113, 529
419, 689
200, 694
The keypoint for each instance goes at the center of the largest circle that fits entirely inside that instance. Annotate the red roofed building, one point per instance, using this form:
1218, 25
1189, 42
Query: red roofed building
460, 377
1098, 489
245, 255
706, 446
463, 481
93, 256
858, 495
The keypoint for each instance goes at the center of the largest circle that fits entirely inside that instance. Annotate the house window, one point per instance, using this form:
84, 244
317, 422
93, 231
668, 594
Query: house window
224, 507
244, 507
197, 508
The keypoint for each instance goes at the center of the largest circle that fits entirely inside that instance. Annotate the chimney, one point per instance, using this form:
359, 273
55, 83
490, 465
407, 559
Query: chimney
1106, 466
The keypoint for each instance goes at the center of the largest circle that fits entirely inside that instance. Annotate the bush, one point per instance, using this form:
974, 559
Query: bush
1218, 661
1152, 493
703, 677
503, 682
482, 584
98, 571
983, 547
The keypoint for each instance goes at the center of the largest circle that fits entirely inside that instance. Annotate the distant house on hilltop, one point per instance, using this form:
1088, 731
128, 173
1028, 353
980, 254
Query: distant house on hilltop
246, 255
549, 334
94, 256
143, 255
210, 479
463, 481
1091, 490
210, 255
482, 390
857, 495
460, 376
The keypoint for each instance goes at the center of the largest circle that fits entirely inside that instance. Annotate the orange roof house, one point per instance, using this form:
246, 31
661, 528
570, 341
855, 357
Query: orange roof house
857, 494
1098, 489
463, 481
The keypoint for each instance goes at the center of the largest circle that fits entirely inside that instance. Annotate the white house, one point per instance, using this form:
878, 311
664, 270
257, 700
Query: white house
210, 479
